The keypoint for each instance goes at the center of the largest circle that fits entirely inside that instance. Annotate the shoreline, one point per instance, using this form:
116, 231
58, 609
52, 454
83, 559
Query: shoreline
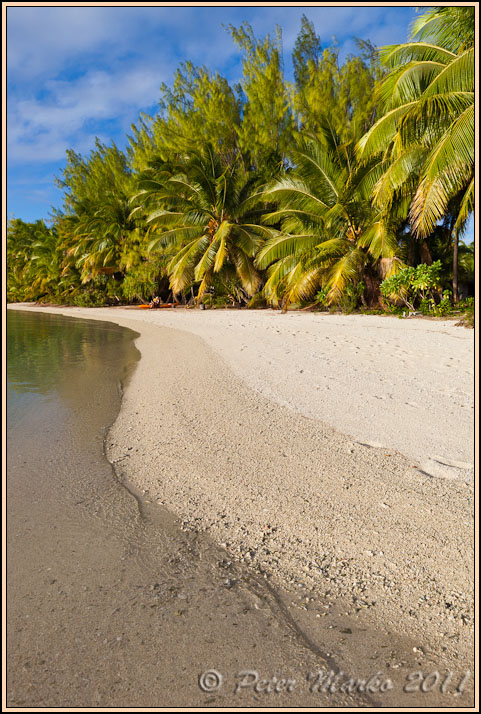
404, 385
233, 462
98, 573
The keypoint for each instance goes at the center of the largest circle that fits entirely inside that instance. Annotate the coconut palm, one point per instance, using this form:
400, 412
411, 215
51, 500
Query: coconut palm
46, 264
424, 142
329, 235
20, 238
203, 214
34, 260
97, 225
102, 230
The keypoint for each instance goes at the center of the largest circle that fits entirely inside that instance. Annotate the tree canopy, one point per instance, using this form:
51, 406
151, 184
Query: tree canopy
278, 191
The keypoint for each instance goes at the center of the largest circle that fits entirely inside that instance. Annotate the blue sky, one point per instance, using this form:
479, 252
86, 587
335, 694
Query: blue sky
74, 73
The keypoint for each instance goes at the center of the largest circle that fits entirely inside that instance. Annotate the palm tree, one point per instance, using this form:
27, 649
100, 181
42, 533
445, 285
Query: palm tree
329, 235
34, 260
203, 214
46, 264
103, 228
97, 225
20, 237
424, 142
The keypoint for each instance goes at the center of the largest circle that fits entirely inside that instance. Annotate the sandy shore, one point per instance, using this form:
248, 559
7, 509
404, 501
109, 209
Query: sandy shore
402, 384
333, 451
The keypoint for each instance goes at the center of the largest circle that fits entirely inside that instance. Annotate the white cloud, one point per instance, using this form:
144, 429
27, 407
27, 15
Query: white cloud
79, 72
45, 41
39, 38
42, 129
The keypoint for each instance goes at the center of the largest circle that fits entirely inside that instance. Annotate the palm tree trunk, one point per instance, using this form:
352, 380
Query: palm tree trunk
425, 253
455, 267
372, 283
412, 250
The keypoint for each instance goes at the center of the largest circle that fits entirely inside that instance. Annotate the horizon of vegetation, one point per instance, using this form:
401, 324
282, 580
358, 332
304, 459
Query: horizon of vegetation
349, 188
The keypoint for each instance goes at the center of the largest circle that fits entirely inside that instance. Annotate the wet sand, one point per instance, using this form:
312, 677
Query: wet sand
403, 384
110, 602
349, 537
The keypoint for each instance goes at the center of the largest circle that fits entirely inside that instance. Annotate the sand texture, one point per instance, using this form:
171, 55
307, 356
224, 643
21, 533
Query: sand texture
336, 451
402, 384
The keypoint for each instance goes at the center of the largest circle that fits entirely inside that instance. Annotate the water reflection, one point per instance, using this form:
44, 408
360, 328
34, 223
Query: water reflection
54, 360
43, 348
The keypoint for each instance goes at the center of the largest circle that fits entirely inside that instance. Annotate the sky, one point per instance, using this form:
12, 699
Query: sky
76, 73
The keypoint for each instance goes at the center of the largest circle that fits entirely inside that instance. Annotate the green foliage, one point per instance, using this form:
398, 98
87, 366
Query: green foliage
322, 297
257, 301
102, 290
141, 282
449, 27
206, 217
467, 304
326, 89
424, 140
200, 108
34, 261
270, 192
352, 296
413, 285
97, 194
466, 308
266, 129
443, 307
307, 52
328, 233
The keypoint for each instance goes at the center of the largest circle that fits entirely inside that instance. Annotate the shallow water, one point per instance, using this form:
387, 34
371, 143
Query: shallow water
110, 602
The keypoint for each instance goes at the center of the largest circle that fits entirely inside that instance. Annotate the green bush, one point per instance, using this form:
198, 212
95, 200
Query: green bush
257, 301
321, 297
429, 306
467, 304
413, 286
141, 282
352, 297
467, 308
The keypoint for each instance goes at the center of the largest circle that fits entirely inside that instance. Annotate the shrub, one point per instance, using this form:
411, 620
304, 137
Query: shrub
257, 301
321, 297
412, 286
352, 296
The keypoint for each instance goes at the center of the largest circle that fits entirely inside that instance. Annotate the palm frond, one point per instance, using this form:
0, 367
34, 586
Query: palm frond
407, 83
380, 240
394, 55
465, 209
346, 270
249, 277
381, 134
172, 237
284, 245
457, 76
451, 27
208, 258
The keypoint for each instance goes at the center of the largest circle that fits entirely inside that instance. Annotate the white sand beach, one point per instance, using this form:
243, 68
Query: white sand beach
406, 385
329, 449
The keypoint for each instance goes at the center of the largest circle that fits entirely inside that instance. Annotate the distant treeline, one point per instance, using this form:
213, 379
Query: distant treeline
314, 191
